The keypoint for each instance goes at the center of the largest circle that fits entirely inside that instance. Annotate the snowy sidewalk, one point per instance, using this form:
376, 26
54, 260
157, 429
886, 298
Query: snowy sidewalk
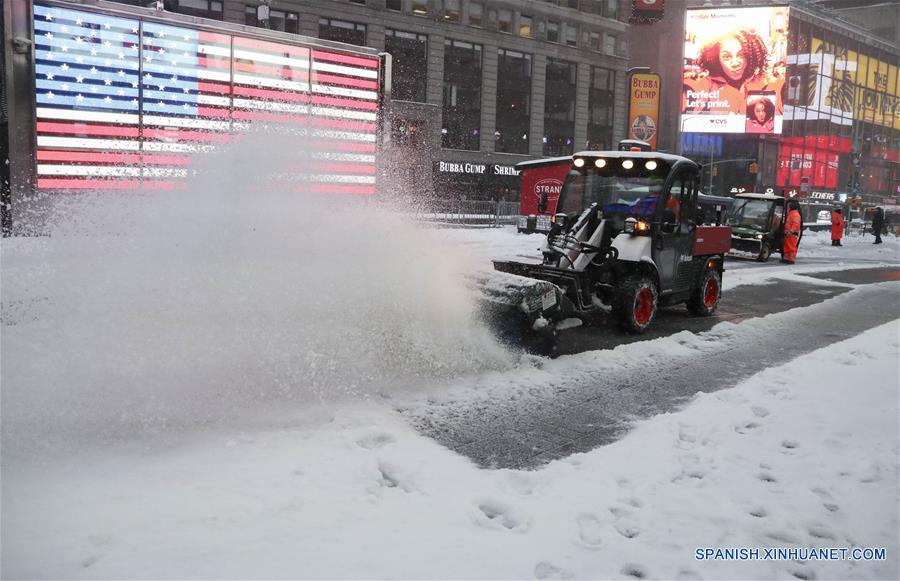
803, 455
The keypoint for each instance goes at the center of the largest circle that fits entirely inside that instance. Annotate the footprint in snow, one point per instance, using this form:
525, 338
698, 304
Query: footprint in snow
767, 477
391, 477
634, 571
822, 532
627, 528
375, 441
827, 499
497, 513
790, 444
545, 570
590, 530
758, 512
745, 427
803, 572
759, 411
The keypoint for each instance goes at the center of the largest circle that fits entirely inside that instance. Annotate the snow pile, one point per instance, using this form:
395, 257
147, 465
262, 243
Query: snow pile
150, 311
804, 455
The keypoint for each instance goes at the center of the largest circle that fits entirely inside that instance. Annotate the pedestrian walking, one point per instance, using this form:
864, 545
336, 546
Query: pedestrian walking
793, 227
878, 224
837, 227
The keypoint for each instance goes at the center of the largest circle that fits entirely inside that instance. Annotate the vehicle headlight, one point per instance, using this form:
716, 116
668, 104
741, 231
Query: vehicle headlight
759, 236
579, 162
636, 227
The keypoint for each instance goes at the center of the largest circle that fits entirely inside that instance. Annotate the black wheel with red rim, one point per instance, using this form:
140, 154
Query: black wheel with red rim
638, 299
705, 297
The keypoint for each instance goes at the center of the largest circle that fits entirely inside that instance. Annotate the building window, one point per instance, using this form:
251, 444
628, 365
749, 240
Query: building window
420, 7
461, 128
526, 26
504, 20
395, 5
410, 58
552, 31
202, 8
601, 101
278, 20
571, 4
592, 7
609, 44
571, 35
559, 107
513, 101
595, 41
451, 10
363, 2
610, 8
342, 31
476, 14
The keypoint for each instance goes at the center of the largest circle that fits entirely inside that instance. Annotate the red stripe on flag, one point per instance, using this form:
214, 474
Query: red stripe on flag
207, 87
89, 184
183, 135
213, 112
346, 59
83, 129
341, 102
269, 94
214, 62
276, 48
173, 160
346, 81
242, 115
215, 38
344, 124
340, 189
285, 73
341, 145
88, 157
342, 168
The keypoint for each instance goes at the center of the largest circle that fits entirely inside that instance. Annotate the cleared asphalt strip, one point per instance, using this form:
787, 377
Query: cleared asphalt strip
534, 429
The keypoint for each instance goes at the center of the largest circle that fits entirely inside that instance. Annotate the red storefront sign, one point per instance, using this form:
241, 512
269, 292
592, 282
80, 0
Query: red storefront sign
542, 179
812, 159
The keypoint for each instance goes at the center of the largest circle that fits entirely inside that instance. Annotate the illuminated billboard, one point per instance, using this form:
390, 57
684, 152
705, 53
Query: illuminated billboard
734, 70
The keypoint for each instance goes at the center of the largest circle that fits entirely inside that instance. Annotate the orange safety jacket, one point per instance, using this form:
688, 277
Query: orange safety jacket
792, 232
837, 226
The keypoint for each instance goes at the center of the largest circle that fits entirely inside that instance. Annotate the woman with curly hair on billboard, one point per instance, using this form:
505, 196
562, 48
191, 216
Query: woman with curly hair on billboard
722, 75
760, 113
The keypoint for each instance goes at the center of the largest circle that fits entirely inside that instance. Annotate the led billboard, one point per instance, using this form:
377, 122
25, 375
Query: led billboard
734, 70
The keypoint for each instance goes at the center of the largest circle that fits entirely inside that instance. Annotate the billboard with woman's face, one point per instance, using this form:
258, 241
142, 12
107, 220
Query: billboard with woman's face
734, 68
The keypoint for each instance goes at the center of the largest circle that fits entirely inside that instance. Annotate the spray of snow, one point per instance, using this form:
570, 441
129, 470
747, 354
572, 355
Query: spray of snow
151, 311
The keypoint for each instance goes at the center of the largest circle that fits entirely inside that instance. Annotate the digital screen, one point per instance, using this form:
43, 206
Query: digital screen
734, 70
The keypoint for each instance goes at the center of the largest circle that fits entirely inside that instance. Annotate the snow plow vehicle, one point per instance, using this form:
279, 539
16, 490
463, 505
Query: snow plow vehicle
757, 225
632, 233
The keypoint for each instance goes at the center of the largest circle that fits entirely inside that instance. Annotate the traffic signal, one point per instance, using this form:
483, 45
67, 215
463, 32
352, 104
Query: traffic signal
715, 170
754, 167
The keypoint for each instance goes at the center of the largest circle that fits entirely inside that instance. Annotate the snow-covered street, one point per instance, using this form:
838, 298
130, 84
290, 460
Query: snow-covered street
111, 474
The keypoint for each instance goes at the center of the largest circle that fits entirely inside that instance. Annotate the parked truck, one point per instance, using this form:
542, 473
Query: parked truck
105, 96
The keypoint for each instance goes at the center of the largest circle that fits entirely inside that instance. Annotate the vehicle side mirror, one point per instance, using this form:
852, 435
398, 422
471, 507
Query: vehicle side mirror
542, 202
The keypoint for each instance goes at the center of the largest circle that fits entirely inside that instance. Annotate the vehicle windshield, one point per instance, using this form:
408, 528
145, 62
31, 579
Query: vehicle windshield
750, 213
633, 195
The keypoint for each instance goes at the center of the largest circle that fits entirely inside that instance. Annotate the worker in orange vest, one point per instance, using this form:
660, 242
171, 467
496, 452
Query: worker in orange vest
837, 227
793, 227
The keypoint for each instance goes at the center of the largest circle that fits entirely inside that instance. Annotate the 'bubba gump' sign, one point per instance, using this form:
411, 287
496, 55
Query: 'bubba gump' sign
476, 168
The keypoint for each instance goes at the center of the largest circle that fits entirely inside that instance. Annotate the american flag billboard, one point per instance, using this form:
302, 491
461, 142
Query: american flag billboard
126, 103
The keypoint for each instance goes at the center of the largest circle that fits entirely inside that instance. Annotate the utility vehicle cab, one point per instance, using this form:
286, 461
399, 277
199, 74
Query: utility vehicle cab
757, 224
628, 237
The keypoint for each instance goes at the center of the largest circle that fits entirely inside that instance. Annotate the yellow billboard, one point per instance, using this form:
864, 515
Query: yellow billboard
643, 107
858, 84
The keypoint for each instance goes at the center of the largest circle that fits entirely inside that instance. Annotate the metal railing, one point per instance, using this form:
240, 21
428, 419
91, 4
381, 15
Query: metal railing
468, 212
